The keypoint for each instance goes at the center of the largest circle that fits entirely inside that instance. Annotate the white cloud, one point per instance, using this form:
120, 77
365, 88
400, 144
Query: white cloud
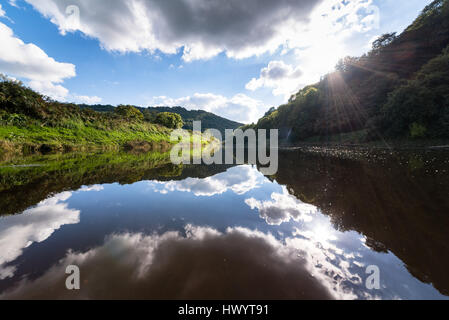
239, 180
29, 61
206, 28
55, 91
33, 225
88, 99
283, 78
13, 3
202, 28
334, 30
282, 208
2, 12
239, 108
44, 74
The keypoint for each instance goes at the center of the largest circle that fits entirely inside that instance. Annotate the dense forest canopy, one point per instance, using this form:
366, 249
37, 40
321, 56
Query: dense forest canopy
398, 90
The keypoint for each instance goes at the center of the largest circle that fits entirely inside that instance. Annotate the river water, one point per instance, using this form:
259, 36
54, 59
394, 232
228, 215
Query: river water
328, 225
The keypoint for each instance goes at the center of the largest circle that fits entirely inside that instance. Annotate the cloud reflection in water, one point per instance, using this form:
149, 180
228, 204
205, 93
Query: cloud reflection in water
239, 180
292, 251
33, 225
283, 207
203, 263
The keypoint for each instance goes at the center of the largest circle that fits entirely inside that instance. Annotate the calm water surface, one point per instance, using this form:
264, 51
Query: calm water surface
139, 227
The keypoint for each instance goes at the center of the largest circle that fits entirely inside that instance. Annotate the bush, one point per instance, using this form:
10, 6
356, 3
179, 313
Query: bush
16, 98
129, 112
12, 119
169, 120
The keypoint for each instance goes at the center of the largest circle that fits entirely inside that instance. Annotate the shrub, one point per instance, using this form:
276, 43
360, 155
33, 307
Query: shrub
12, 119
129, 112
169, 120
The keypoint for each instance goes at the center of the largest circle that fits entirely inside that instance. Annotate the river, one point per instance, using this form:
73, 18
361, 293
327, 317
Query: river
328, 225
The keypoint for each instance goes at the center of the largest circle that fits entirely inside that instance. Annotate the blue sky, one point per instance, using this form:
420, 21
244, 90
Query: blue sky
234, 58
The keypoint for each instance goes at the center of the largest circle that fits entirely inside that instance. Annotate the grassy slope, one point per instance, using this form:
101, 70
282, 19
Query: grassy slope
34, 136
30, 122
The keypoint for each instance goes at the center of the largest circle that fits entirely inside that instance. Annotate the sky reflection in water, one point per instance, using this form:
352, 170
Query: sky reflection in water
234, 234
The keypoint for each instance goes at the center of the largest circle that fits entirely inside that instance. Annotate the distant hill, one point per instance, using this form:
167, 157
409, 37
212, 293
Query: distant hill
399, 90
98, 107
208, 119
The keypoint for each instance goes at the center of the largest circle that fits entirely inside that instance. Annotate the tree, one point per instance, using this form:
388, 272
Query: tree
129, 112
270, 111
420, 106
169, 120
384, 40
347, 64
150, 115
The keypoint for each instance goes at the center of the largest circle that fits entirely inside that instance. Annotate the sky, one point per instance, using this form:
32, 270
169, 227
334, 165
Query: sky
231, 57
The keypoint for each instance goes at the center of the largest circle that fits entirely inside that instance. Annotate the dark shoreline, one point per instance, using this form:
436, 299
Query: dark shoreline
377, 145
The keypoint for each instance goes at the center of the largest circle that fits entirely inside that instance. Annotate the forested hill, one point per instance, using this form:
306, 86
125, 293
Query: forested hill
208, 119
399, 90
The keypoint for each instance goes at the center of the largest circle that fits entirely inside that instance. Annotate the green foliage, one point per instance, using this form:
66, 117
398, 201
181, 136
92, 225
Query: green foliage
429, 14
12, 119
420, 103
18, 99
270, 111
39, 176
55, 173
150, 115
98, 107
30, 121
169, 120
347, 64
417, 130
208, 120
383, 41
297, 119
129, 112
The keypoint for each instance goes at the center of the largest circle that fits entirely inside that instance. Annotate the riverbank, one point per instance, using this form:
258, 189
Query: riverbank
41, 139
32, 123
380, 144
413, 155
